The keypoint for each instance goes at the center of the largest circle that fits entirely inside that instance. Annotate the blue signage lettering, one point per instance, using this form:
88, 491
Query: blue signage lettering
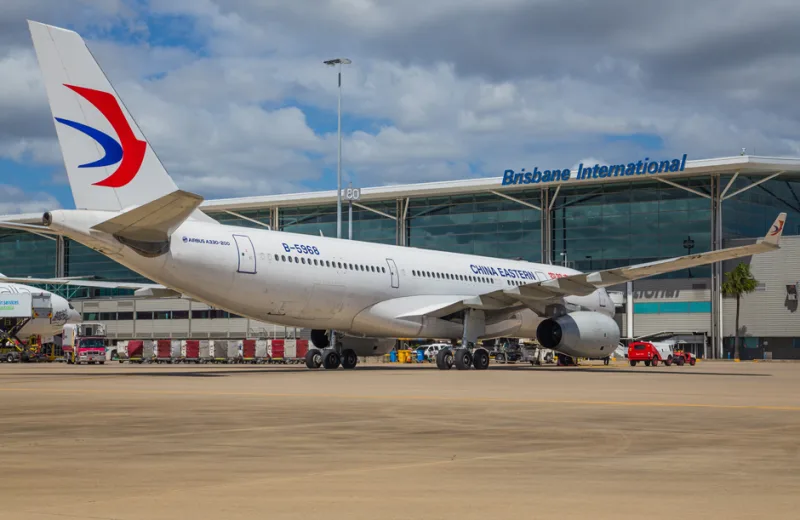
510, 177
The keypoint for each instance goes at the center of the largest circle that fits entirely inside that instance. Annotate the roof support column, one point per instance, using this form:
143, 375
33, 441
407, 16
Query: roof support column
716, 268
60, 257
545, 223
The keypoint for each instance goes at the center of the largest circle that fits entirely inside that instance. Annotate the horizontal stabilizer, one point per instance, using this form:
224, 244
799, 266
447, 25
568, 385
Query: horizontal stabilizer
32, 228
147, 228
81, 283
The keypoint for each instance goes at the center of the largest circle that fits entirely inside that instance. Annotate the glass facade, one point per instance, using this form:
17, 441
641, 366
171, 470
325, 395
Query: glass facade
750, 213
368, 226
477, 224
26, 254
603, 227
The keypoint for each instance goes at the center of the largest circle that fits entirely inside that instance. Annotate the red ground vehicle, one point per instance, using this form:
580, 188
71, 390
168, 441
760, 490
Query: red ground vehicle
681, 357
650, 353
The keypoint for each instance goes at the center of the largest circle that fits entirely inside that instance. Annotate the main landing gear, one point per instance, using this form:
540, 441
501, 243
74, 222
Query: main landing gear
329, 357
467, 355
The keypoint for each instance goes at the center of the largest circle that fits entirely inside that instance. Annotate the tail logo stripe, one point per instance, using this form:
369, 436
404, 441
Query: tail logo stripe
129, 150
110, 145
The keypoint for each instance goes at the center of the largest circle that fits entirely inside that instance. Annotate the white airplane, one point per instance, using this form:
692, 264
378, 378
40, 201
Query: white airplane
62, 313
129, 209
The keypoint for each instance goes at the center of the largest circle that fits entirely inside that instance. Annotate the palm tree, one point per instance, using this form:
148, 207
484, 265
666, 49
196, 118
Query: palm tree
737, 283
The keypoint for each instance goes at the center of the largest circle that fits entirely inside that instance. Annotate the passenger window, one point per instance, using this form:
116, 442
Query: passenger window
276, 258
383, 269
303, 260
283, 258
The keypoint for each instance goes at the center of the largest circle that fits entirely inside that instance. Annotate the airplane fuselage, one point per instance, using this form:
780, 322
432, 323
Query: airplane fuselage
44, 325
325, 283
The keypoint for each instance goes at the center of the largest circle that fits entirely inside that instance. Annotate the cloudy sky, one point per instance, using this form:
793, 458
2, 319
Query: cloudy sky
233, 95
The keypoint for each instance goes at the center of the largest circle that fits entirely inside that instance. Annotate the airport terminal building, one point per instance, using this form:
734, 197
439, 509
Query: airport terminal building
595, 217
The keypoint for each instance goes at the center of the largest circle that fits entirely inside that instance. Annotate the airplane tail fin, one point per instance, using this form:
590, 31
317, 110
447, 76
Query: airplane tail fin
110, 164
773, 236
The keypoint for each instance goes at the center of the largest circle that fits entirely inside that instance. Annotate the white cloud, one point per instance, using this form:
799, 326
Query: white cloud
14, 201
446, 88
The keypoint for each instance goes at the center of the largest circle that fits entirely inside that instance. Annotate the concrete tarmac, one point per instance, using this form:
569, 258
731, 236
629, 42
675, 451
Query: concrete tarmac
718, 440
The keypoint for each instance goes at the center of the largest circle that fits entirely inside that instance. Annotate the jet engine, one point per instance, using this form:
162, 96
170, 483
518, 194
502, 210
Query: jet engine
580, 334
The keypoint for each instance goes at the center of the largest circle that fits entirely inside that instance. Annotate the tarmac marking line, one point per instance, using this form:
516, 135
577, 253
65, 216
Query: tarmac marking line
431, 398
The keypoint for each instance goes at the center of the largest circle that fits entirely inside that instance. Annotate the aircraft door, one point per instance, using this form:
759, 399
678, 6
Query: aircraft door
247, 254
394, 273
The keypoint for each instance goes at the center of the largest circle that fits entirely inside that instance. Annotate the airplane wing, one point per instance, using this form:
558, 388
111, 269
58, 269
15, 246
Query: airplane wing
145, 290
533, 295
586, 283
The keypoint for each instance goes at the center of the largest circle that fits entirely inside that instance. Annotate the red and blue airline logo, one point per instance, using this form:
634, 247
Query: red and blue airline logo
776, 228
128, 151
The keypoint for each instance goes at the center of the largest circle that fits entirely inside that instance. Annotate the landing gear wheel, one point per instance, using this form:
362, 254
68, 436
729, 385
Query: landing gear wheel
480, 359
606, 361
349, 359
331, 359
444, 359
463, 359
313, 358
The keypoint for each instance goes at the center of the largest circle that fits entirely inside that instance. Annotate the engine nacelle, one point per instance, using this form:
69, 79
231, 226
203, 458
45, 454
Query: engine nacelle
580, 334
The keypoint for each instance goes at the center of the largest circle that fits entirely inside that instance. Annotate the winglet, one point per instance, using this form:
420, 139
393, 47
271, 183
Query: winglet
774, 234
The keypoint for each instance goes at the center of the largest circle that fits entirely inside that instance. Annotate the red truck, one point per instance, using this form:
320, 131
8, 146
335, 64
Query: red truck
651, 353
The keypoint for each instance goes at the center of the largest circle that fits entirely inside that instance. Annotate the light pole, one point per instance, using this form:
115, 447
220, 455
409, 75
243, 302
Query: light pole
333, 63
350, 214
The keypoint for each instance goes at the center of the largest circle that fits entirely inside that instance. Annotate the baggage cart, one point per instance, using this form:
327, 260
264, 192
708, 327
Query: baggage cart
175, 351
163, 348
276, 350
191, 351
262, 351
249, 351
205, 350
148, 351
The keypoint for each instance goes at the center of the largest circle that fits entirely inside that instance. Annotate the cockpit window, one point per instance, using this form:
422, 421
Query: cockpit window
70, 306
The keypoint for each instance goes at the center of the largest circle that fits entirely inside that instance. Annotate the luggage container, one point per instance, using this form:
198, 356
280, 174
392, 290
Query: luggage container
219, 351
122, 350
302, 349
135, 350
226, 351
175, 350
191, 351
262, 351
148, 350
163, 348
289, 349
205, 350
276, 351
235, 350
249, 351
